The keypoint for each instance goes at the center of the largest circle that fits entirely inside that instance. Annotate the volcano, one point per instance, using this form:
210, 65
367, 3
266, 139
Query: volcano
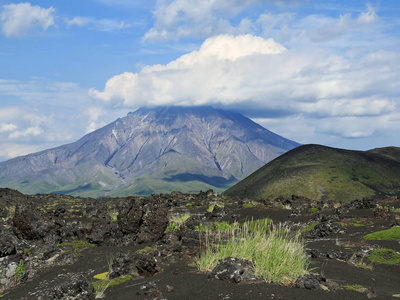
151, 150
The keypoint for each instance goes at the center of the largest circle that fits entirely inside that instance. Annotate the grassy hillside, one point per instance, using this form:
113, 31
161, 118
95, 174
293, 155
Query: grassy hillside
320, 172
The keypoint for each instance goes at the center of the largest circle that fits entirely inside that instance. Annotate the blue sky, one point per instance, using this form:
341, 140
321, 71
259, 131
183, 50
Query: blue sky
322, 72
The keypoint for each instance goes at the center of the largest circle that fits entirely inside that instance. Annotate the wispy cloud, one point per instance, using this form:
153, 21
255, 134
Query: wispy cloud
19, 19
200, 19
97, 24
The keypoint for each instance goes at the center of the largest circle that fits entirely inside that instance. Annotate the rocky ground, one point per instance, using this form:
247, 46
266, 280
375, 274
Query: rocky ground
63, 247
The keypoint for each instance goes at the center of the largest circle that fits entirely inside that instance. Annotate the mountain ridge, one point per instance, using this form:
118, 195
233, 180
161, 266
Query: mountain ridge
151, 150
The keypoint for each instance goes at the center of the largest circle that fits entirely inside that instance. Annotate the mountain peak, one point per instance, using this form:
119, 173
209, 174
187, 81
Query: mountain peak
151, 150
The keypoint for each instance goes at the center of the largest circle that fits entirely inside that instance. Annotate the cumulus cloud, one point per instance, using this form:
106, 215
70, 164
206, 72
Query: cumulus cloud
19, 19
200, 77
261, 78
95, 24
235, 71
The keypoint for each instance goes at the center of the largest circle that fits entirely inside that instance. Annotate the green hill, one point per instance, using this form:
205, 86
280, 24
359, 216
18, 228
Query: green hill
324, 173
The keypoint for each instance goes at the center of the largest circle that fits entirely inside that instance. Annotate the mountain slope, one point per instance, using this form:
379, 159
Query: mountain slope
320, 172
151, 150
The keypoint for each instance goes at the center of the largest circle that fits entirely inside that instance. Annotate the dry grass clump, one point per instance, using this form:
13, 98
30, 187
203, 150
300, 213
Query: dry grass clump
276, 252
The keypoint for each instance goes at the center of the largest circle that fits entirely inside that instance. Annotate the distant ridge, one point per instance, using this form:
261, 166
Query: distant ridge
151, 150
322, 173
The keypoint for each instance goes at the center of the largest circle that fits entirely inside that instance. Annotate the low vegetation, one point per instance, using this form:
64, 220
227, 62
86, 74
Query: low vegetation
140, 251
211, 207
385, 257
77, 245
384, 235
103, 284
176, 222
320, 173
309, 227
101, 276
20, 269
276, 252
354, 287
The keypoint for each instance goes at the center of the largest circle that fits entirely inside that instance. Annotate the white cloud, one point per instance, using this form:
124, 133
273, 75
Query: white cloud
322, 29
94, 113
11, 150
28, 132
175, 19
195, 78
5, 127
19, 19
45, 114
99, 25
234, 70
246, 72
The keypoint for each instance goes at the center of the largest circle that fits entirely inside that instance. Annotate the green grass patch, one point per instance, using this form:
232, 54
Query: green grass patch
248, 205
277, 253
189, 206
211, 207
313, 209
176, 222
354, 287
103, 284
385, 257
20, 269
384, 235
172, 228
101, 276
77, 245
140, 251
309, 227
180, 219
221, 226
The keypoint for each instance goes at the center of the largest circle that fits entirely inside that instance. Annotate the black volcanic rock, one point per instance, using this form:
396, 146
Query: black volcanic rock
151, 150
30, 223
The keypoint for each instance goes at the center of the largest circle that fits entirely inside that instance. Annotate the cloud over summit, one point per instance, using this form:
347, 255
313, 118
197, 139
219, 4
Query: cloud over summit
235, 70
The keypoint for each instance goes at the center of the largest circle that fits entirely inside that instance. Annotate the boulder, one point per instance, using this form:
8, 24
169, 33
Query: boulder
145, 220
325, 229
120, 265
30, 223
234, 270
78, 286
147, 265
8, 242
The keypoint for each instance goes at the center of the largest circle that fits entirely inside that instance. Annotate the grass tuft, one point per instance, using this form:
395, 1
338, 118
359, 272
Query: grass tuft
276, 252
